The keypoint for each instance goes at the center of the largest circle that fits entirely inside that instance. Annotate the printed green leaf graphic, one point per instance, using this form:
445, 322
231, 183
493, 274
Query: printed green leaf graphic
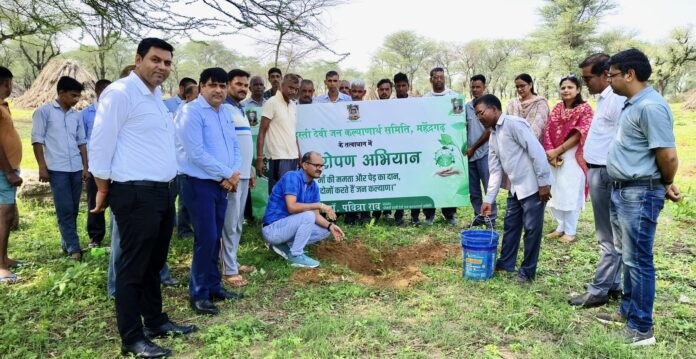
446, 139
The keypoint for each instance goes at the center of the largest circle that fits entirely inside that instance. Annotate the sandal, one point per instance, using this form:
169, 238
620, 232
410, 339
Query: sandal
246, 269
10, 279
235, 281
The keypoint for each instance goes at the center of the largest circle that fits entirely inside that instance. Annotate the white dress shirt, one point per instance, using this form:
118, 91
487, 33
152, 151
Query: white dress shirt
133, 135
603, 127
514, 149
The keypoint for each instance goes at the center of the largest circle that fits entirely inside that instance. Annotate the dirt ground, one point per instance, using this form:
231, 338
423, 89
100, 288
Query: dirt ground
394, 269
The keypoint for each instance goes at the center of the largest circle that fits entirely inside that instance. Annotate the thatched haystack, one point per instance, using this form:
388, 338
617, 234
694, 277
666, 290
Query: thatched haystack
690, 103
43, 90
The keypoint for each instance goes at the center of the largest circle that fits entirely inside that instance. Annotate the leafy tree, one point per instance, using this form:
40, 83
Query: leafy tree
407, 52
673, 58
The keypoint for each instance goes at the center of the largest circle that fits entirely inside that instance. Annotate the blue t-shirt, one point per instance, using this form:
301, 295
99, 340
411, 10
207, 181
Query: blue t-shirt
646, 123
293, 183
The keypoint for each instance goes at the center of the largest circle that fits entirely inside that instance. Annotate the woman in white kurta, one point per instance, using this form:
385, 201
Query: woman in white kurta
564, 137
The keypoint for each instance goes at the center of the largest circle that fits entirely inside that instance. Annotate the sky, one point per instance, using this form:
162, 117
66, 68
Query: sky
360, 26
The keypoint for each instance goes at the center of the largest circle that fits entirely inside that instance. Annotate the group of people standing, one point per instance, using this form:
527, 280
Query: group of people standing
139, 152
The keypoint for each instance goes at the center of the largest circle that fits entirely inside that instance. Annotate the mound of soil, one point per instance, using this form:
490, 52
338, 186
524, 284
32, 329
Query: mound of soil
394, 269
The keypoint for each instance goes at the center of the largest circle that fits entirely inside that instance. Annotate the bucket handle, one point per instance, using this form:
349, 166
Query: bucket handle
489, 223
489, 226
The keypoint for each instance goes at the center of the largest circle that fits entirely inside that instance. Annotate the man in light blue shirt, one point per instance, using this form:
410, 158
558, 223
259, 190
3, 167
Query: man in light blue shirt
515, 151
173, 103
332, 94
642, 163
96, 226
208, 154
477, 152
58, 138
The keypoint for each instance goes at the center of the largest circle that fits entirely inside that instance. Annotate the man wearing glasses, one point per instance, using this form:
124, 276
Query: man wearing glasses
642, 162
293, 217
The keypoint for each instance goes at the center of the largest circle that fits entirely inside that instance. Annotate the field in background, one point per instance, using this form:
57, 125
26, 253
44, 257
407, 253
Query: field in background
415, 305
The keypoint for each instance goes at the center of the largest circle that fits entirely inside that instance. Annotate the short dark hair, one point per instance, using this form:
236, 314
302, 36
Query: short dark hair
274, 70
306, 82
308, 155
578, 99
489, 100
189, 89
632, 59
598, 62
385, 81
331, 73
101, 85
237, 73
400, 77
66, 83
478, 77
214, 74
436, 69
149, 42
5, 74
187, 81
528, 79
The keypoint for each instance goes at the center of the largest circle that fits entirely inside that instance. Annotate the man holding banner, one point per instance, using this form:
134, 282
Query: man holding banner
437, 80
293, 220
277, 132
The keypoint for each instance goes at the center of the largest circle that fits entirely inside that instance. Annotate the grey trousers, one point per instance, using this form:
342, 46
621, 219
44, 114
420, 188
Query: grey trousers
608, 273
232, 229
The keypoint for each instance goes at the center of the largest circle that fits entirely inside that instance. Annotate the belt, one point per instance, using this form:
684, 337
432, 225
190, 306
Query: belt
152, 184
636, 183
590, 165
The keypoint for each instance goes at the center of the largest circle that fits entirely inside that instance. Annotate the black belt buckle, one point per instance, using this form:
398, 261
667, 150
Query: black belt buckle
590, 165
634, 183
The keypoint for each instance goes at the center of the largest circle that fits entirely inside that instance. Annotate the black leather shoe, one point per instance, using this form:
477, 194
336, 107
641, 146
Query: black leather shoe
588, 300
204, 306
167, 329
225, 295
615, 294
171, 282
145, 349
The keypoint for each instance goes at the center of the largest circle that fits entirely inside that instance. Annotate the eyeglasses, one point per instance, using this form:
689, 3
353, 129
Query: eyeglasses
610, 75
588, 78
344, 88
316, 165
480, 113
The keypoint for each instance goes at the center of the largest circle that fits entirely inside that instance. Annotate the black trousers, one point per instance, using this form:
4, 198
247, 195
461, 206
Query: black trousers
277, 168
145, 218
96, 226
446, 212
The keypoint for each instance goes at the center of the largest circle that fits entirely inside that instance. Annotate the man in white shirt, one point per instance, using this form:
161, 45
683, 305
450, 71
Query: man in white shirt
437, 80
514, 150
607, 280
133, 160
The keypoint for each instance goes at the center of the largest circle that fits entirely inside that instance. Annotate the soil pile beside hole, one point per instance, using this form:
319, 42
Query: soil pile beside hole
394, 269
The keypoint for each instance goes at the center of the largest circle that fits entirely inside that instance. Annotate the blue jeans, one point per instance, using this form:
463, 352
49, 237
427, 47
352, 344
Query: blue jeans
527, 213
634, 212
478, 176
66, 188
115, 253
297, 230
183, 218
207, 201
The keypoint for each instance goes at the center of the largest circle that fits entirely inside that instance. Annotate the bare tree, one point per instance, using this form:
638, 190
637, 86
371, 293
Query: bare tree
38, 51
290, 21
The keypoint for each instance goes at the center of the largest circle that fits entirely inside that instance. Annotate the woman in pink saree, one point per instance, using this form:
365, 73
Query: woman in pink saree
530, 106
564, 138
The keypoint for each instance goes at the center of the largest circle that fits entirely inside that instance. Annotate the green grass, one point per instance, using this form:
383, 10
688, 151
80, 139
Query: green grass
61, 309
